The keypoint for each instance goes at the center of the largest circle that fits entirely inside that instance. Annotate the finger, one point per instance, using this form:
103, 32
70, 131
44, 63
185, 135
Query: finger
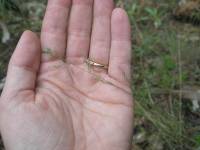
101, 32
24, 64
79, 30
120, 56
54, 30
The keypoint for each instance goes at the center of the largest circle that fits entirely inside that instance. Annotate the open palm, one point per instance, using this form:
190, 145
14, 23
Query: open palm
54, 100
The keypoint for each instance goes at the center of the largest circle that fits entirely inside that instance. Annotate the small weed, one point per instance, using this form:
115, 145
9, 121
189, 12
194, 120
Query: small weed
155, 16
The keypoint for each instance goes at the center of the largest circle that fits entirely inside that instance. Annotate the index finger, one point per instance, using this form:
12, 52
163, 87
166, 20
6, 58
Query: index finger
54, 29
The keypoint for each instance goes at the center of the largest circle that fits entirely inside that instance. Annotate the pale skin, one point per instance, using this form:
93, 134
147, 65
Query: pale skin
52, 99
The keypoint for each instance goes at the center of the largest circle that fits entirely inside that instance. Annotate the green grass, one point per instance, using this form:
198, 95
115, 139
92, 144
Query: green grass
160, 68
166, 59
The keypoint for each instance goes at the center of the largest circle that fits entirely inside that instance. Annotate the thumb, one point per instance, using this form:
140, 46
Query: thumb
24, 65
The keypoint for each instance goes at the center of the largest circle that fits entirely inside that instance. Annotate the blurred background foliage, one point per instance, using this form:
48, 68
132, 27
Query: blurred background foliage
166, 66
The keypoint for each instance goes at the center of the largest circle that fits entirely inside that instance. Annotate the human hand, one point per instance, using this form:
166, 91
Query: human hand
54, 100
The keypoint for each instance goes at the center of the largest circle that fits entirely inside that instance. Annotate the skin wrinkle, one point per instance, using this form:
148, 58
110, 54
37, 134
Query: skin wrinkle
30, 69
81, 122
101, 114
79, 33
14, 104
85, 95
77, 89
126, 78
60, 88
55, 8
80, 2
72, 119
51, 31
93, 74
65, 117
46, 68
101, 44
59, 141
87, 13
70, 107
87, 108
85, 137
106, 81
70, 112
105, 16
76, 60
74, 83
94, 131
48, 90
82, 116
112, 103
43, 93
117, 58
54, 36
73, 130
60, 2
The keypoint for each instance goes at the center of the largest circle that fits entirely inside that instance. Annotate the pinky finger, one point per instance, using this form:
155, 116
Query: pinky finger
120, 55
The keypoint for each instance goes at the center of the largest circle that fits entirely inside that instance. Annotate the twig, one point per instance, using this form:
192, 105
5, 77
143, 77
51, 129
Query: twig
6, 34
2, 83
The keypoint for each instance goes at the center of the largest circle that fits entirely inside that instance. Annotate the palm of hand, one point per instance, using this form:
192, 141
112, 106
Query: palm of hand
70, 105
75, 107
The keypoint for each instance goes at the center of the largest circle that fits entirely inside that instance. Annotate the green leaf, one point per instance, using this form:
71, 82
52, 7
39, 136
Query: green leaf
197, 139
169, 63
9, 5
